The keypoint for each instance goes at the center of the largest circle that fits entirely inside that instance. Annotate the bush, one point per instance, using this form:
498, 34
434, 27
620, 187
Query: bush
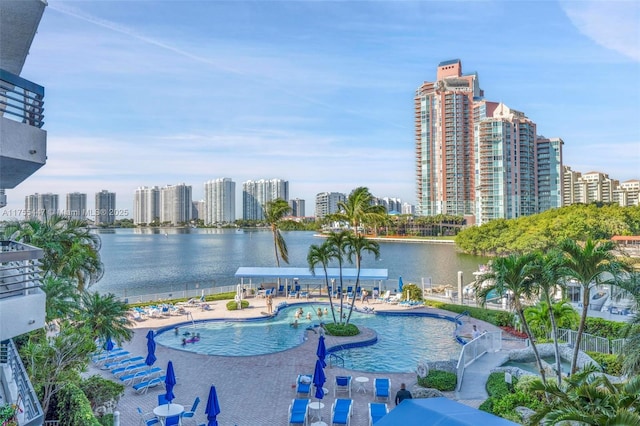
73, 407
611, 364
411, 292
437, 379
341, 329
232, 305
498, 318
604, 328
99, 390
106, 420
503, 401
524, 383
497, 387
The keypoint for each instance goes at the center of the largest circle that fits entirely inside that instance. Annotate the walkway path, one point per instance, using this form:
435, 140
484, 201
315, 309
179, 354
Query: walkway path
257, 390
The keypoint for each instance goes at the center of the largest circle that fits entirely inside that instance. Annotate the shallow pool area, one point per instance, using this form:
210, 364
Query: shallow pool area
532, 366
403, 339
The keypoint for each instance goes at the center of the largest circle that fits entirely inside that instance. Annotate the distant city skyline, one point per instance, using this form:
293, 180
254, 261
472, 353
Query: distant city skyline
316, 93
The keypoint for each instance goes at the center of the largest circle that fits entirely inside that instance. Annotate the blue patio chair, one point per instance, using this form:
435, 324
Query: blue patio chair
349, 292
304, 383
294, 293
192, 412
377, 410
148, 419
280, 290
341, 412
382, 388
342, 384
299, 411
162, 399
172, 420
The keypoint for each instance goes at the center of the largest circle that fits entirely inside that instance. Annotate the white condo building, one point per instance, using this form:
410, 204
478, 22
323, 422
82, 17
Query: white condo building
175, 204
146, 205
41, 206
327, 203
105, 208
76, 207
255, 194
297, 207
219, 201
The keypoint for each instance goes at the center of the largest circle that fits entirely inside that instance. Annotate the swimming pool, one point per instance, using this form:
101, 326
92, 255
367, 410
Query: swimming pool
403, 340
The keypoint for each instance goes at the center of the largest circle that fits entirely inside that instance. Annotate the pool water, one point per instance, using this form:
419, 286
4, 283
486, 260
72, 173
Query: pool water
403, 340
532, 366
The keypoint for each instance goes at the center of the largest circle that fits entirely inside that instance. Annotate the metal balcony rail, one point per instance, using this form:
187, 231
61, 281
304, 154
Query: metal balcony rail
32, 410
20, 271
21, 100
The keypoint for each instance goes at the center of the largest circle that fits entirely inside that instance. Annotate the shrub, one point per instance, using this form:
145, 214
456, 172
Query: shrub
99, 390
506, 405
491, 316
411, 292
73, 407
232, 305
611, 364
341, 329
437, 379
524, 383
604, 328
502, 401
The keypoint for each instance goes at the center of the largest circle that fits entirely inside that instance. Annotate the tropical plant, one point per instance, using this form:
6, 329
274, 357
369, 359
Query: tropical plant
631, 331
356, 246
274, 211
338, 242
323, 255
105, 316
358, 210
509, 276
62, 297
590, 264
589, 398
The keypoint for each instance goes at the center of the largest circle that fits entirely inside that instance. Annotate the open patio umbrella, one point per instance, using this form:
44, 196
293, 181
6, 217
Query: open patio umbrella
213, 407
318, 379
400, 285
321, 351
169, 382
151, 349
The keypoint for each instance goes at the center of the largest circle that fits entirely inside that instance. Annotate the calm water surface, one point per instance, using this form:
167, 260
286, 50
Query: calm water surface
141, 261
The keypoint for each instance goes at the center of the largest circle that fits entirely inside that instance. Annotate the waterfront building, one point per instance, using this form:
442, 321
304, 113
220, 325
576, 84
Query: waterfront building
76, 207
255, 194
175, 204
444, 141
550, 172
626, 194
327, 203
505, 164
23, 150
219, 201
197, 210
146, 205
569, 183
393, 205
41, 206
105, 208
408, 209
297, 207
588, 187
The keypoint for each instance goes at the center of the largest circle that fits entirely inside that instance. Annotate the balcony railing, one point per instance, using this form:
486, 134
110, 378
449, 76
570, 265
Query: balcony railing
21, 100
18, 380
20, 272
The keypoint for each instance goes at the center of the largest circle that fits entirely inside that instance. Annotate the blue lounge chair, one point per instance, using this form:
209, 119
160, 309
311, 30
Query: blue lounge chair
304, 383
341, 412
349, 292
121, 363
280, 290
128, 369
140, 375
377, 410
382, 388
295, 293
299, 412
342, 384
143, 387
192, 412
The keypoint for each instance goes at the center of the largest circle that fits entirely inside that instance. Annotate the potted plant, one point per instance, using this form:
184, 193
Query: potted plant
8, 415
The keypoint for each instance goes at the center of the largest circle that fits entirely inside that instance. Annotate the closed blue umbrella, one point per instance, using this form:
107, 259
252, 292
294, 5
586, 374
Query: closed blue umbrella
400, 285
169, 382
151, 349
108, 345
321, 351
213, 407
318, 379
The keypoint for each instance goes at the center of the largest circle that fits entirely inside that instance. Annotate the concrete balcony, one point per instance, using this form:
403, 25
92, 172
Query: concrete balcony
22, 301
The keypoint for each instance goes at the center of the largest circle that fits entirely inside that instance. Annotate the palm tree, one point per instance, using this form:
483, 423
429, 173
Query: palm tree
357, 245
510, 276
338, 242
631, 358
590, 265
323, 255
360, 210
274, 211
588, 398
62, 297
105, 316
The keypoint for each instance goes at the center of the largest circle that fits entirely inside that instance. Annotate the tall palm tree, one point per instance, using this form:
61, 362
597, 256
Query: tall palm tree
105, 316
590, 264
62, 297
356, 246
323, 255
588, 398
359, 209
338, 242
545, 270
274, 211
510, 276
631, 358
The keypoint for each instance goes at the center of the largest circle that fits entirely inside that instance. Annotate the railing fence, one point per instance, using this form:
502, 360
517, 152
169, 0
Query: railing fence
590, 343
471, 351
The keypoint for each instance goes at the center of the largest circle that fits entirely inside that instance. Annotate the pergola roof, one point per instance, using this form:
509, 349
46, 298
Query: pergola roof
305, 273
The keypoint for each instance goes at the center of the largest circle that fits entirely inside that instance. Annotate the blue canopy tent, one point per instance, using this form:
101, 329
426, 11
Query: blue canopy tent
439, 412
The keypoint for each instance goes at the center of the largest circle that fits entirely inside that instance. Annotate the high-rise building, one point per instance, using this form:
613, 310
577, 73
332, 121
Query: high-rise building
175, 204
505, 165
219, 201
41, 206
297, 207
393, 205
627, 193
255, 194
408, 209
105, 208
146, 205
569, 182
197, 211
327, 203
588, 187
76, 206
444, 141
549, 155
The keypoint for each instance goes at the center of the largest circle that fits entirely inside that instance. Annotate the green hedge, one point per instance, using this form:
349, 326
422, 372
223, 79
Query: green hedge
341, 329
611, 364
100, 390
604, 328
73, 407
492, 316
441, 380
503, 400
232, 305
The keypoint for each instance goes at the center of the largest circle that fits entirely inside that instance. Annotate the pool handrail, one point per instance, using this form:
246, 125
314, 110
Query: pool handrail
489, 341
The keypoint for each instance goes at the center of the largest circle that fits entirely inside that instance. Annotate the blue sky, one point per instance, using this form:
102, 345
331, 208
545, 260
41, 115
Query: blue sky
319, 93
